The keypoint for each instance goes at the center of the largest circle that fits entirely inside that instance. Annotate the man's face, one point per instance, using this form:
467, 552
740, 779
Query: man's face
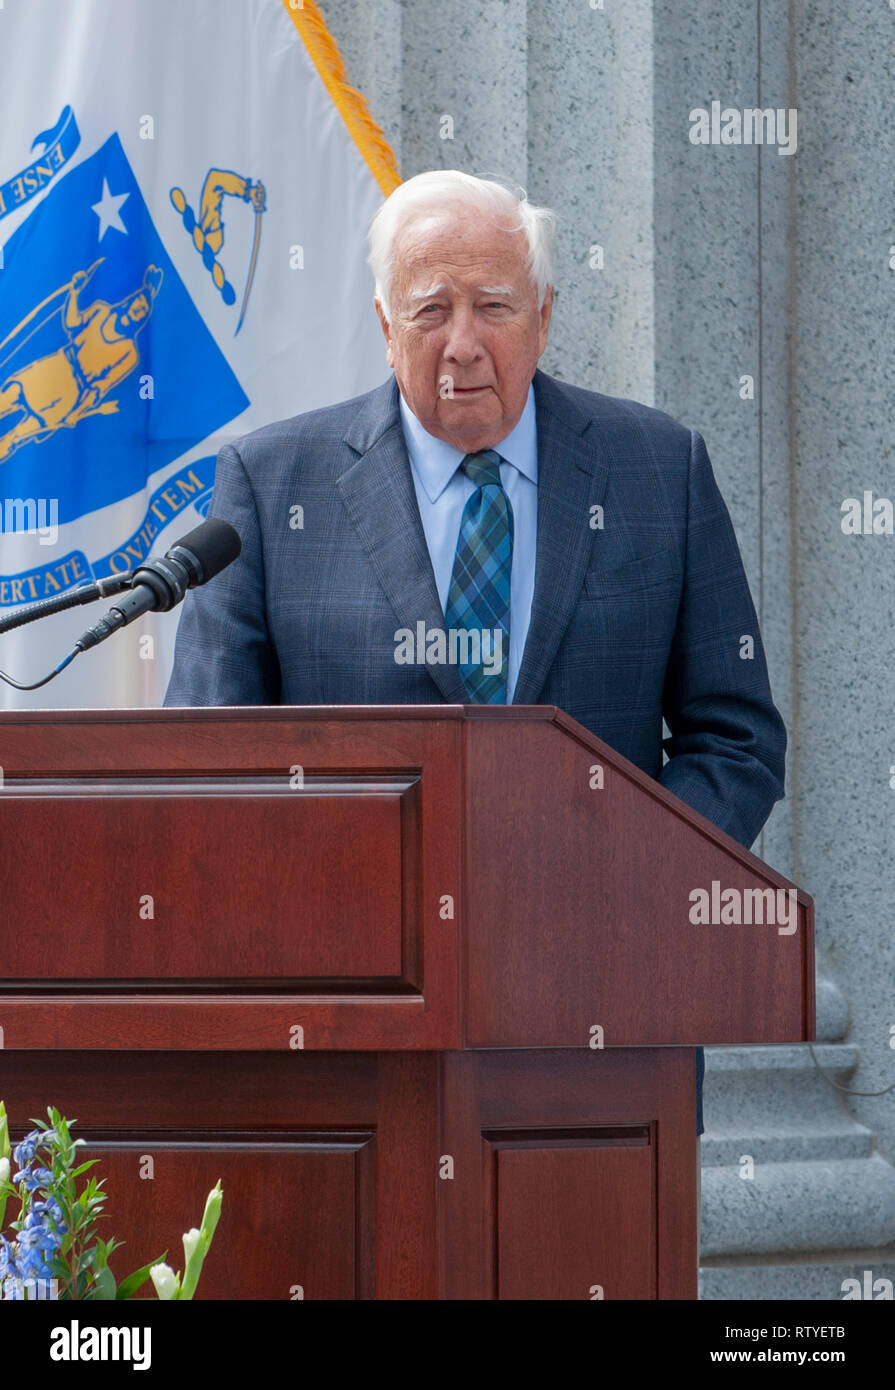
466, 333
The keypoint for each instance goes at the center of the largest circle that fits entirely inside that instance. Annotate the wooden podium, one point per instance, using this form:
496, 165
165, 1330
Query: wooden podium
421, 984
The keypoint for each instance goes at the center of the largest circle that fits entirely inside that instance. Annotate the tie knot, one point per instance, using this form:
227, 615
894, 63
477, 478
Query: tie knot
483, 468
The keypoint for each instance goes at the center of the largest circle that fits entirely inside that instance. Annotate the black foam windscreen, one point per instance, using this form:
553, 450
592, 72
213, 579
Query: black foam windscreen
213, 546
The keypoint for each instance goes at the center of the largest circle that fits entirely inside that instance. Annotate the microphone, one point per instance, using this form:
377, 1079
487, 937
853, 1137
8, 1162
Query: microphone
71, 598
162, 583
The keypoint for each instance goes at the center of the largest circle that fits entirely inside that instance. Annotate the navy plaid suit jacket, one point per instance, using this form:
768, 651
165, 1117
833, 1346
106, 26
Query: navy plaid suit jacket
640, 619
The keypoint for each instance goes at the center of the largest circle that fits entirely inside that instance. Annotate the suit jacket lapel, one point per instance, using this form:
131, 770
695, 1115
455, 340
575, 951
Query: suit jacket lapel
379, 494
572, 475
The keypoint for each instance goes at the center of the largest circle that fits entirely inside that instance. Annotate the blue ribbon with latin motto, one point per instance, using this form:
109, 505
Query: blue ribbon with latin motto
190, 485
60, 143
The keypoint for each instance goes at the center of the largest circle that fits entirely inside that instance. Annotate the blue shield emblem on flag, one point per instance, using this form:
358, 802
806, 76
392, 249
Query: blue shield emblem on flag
107, 370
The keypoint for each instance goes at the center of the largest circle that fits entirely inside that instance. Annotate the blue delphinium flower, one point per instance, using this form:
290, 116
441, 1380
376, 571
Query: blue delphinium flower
24, 1152
11, 1271
40, 1237
28, 1259
37, 1234
50, 1206
33, 1178
8, 1263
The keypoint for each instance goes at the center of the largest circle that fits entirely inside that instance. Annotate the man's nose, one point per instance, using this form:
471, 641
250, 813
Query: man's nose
463, 343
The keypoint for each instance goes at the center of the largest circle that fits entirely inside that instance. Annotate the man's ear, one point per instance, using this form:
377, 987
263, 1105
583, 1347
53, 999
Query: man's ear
386, 329
545, 312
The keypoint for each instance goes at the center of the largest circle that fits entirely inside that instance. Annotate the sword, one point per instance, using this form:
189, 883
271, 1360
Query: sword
252, 264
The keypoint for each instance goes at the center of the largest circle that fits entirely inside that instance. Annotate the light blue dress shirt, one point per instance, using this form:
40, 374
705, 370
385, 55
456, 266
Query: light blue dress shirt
442, 491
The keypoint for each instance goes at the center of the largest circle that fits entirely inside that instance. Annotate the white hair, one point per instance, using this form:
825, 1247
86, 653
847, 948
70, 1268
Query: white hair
440, 188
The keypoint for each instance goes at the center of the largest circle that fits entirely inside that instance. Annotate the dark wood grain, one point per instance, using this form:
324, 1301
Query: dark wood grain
572, 1169
315, 1154
574, 1222
296, 886
275, 908
290, 1221
578, 913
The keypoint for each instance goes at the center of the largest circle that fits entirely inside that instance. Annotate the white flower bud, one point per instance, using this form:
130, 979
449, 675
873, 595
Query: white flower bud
165, 1280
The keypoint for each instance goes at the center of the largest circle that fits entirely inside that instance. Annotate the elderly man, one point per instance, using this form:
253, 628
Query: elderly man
582, 539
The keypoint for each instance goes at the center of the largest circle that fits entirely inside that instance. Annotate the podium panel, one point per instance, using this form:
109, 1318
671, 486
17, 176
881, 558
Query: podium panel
568, 1174
214, 880
549, 1247
575, 1174
591, 840
298, 1199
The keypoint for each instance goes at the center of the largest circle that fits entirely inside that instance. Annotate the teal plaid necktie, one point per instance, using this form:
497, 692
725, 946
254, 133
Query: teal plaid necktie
479, 597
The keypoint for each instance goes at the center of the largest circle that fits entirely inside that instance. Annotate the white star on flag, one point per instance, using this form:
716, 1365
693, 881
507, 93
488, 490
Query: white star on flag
107, 211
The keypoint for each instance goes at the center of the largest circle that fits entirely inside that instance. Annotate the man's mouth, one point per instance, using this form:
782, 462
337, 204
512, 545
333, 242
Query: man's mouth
468, 390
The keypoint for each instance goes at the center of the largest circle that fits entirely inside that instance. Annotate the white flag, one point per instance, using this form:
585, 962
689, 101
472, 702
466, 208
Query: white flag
185, 189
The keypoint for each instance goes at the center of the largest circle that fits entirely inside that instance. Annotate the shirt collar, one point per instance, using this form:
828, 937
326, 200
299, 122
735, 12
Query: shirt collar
435, 462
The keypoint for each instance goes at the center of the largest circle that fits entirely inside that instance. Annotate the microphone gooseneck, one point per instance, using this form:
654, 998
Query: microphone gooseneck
161, 584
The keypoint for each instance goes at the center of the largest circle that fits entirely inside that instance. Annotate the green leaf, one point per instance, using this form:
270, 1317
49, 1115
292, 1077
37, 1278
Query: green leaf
134, 1281
5, 1152
104, 1287
76, 1172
